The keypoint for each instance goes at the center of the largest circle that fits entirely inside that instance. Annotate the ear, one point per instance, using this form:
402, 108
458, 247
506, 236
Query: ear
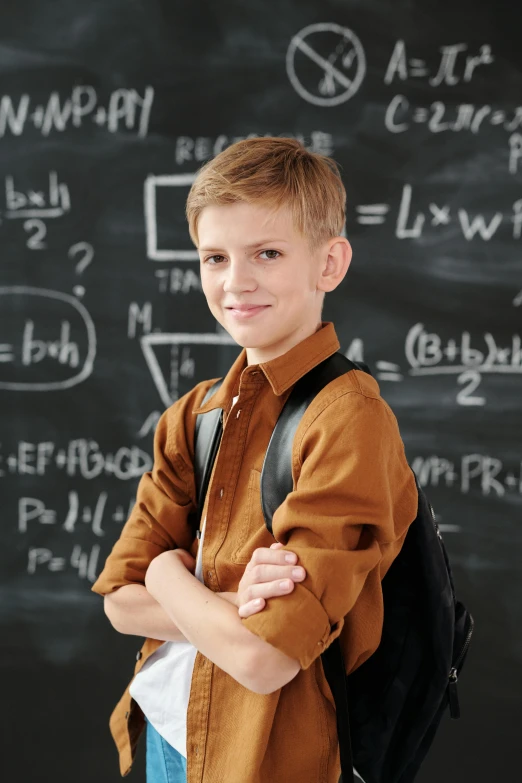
339, 256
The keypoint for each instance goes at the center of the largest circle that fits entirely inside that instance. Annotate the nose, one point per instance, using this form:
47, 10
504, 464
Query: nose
238, 276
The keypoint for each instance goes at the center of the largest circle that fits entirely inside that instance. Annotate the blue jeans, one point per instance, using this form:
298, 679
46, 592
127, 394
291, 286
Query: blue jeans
163, 762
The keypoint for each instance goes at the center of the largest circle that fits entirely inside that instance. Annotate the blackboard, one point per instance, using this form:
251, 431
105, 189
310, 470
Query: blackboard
106, 112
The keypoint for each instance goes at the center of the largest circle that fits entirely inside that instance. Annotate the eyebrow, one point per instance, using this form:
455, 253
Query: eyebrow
252, 246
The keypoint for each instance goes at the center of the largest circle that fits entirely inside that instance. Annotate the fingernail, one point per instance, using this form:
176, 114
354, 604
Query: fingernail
297, 572
257, 602
284, 584
290, 558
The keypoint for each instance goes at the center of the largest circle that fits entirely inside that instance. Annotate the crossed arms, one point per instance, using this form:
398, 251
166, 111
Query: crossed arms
347, 516
174, 605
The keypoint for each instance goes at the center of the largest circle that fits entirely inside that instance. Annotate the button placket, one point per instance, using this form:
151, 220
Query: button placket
210, 574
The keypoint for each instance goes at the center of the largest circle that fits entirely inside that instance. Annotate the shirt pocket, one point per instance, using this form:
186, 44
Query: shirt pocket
250, 530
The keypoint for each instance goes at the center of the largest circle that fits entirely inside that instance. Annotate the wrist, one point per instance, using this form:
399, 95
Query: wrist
230, 597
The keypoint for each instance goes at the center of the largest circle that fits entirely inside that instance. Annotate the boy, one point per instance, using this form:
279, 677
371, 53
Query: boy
240, 696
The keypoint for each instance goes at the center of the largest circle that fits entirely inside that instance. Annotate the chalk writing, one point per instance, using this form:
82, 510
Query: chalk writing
27, 350
201, 148
85, 563
79, 457
402, 67
33, 511
473, 225
482, 472
126, 109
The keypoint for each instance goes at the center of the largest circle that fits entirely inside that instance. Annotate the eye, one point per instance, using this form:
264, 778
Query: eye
210, 257
271, 251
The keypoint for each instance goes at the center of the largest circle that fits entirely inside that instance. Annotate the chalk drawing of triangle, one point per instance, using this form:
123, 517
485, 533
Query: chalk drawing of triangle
154, 344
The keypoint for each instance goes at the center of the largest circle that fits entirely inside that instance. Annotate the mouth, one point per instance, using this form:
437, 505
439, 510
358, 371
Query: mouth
247, 313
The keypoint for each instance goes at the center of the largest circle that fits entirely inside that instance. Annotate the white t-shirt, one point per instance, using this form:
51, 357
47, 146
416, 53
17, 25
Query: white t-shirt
162, 686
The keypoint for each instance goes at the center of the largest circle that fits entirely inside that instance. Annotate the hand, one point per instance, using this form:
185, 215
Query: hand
262, 576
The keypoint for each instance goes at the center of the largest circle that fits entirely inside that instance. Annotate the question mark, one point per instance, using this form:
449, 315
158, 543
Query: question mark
88, 251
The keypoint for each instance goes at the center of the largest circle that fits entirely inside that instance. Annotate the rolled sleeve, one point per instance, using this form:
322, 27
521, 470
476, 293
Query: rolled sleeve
354, 493
159, 518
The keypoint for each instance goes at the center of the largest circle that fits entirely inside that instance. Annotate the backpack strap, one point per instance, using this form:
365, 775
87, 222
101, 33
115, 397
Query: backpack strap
276, 474
207, 436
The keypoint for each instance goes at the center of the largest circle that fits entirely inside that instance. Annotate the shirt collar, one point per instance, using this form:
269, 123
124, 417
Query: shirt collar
281, 372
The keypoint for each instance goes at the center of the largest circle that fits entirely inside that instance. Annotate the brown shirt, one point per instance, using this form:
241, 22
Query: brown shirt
353, 498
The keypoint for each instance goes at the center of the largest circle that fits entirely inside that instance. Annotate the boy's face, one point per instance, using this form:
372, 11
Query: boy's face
252, 255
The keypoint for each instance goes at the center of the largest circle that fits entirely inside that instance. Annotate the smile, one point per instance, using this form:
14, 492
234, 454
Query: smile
244, 314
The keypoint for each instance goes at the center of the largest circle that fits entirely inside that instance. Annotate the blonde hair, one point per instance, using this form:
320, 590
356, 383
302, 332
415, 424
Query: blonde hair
274, 172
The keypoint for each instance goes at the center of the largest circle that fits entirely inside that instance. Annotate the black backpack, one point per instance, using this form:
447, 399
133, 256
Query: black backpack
389, 709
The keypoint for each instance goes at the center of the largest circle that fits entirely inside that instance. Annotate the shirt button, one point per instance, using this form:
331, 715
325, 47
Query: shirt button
138, 655
209, 574
126, 714
221, 492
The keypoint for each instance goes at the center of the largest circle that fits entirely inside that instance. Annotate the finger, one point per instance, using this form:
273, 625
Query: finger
272, 555
268, 589
271, 574
288, 557
251, 607
276, 587
274, 575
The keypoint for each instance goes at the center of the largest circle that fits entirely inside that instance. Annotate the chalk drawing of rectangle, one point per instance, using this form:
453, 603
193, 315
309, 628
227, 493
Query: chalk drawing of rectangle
149, 200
